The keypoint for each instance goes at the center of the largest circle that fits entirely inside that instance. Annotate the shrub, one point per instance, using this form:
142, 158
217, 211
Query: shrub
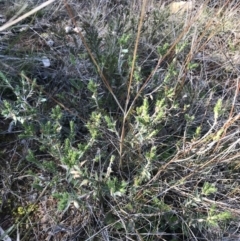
142, 144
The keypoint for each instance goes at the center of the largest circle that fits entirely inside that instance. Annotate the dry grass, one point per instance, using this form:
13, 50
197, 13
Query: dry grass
131, 133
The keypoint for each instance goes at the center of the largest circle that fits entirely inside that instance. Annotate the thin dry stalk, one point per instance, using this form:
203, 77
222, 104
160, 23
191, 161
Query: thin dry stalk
125, 114
135, 52
179, 86
12, 22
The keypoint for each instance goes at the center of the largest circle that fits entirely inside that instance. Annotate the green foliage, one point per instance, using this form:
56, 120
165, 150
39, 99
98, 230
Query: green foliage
171, 73
218, 109
162, 50
20, 110
30, 157
189, 118
214, 217
92, 86
116, 187
110, 123
143, 113
63, 200
208, 189
70, 155
124, 39
197, 132
192, 66
93, 124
